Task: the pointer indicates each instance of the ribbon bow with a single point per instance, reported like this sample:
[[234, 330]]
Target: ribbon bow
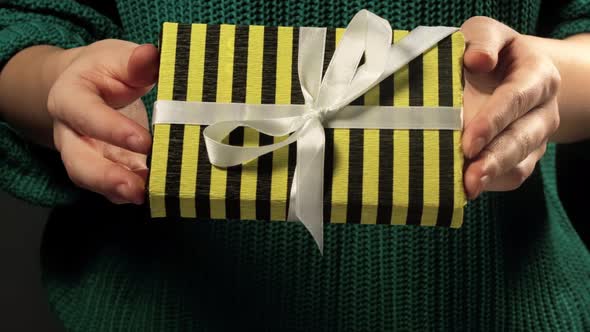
[[345, 79]]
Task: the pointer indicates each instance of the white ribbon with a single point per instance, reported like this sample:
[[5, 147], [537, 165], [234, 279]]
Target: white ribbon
[[352, 116], [343, 82]]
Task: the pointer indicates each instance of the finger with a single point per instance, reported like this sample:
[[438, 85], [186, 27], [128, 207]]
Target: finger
[[516, 176], [485, 38], [142, 68], [527, 87], [89, 170], [131, 160], [510, 147], [136, 112], [87, 114], [131, 72]]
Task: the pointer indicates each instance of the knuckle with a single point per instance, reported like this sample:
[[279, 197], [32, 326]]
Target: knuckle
[[110, 173], [523, 140], [492, 162], [52, 104], [555, 120], [517, 142], [519, 98], [72, 175], [497, 122], [477, 20], [554, 80], [521, 173], [80, 122], [542, 149], [70, 170]]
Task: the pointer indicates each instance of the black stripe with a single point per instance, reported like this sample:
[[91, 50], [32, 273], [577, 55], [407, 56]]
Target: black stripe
[[328, 173], [240, 64], [385, 200], [416, 176], [269, 77], [296, 94], [329, 48], [234, 177], [292, 161], [203, 180], [446, 161], [296, 99], [445, 72], [359, 101], [211, 62], [355, 176], [386, 92], [209, 95], [269, 65], [183, 42], [236, 137], [172, 185]]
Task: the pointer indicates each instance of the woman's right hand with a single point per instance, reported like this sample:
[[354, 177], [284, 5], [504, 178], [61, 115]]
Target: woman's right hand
[[99, 121]]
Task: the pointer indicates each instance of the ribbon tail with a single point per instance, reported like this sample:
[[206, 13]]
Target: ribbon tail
[[309, 202]]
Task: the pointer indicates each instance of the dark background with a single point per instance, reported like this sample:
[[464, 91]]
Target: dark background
[[23, 303]]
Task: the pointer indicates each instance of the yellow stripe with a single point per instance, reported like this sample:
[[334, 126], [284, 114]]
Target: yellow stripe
[[196, 64], [401, 144], [370, 176], [253, 96], [340, 177], [458, 46], [431, 140], [188, 171], [158, 170], [401, 170], [167, 59], [370, 165], [372, 96], [159, 160], [278, 190], [460, 200], [225, 71], [190, 145], [338, 35]]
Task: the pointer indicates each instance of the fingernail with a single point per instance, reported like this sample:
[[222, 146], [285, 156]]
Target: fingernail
[[477, 147], [134, 142]]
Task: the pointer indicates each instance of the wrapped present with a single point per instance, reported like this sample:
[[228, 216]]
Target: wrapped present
[[382, 113]]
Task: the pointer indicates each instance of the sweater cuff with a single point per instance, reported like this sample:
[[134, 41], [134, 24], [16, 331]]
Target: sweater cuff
[[570, 28], [29, 171]]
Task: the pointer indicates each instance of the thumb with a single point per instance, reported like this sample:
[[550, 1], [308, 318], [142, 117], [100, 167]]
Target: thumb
[[142, 68], [485, 38]]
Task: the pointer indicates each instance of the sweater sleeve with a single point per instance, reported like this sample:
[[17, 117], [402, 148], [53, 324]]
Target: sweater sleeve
[[27, 170], [561, 19]]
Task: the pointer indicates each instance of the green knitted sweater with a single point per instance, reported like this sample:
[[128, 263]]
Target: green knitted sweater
[[516, 264]]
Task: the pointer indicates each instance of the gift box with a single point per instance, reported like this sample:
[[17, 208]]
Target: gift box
[[370, 176]]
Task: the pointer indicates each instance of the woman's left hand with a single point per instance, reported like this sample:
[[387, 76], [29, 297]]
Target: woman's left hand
[[510, 106]]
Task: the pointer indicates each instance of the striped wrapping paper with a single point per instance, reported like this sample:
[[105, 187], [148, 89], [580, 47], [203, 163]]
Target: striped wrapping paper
[[372, 176]]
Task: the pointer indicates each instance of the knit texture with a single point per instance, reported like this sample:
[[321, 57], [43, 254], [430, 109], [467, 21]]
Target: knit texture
[[516, 264]]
